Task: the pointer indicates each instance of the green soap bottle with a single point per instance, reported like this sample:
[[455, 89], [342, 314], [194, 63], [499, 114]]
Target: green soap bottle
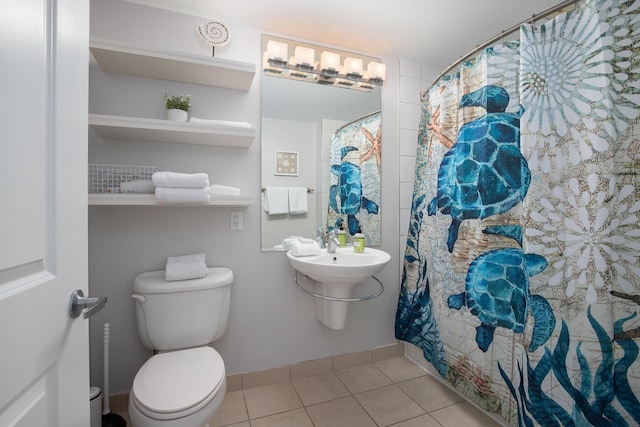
[[358, 241], [342, 237]]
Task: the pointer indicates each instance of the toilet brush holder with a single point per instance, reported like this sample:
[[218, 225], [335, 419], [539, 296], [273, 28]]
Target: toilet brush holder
[[109, 419]]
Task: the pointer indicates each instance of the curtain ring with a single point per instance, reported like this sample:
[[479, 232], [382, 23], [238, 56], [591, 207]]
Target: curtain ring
[[533, 21]]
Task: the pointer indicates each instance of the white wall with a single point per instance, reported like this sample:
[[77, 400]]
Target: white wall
[[272, 323]]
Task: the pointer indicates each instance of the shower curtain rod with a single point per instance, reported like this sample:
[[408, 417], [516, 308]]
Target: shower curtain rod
[[357, 120], [500, 36]]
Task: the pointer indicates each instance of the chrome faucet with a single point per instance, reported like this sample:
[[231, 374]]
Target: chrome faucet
[[332, 242]]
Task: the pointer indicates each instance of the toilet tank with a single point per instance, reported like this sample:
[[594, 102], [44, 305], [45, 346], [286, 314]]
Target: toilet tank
[[183, 313]]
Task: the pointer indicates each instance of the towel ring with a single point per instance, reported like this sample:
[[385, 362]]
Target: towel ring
[[328, 298]]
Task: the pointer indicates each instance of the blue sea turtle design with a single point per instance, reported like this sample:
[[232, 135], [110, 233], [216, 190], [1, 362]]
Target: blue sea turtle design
[[484, 173], [497, 292], [350, 190]]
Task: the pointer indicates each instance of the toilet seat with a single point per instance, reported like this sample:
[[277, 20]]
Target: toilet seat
[[178, 383]]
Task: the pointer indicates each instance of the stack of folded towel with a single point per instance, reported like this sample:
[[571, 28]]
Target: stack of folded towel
[[304, 247], [186, 267], [174, 187]]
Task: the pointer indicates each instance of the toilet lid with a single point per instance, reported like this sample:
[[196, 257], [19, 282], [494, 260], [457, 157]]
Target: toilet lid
[[178, 380]]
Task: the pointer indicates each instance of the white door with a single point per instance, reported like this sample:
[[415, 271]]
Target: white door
[[44, 355]]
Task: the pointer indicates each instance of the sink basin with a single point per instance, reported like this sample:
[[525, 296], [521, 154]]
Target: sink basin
[[343, 267]]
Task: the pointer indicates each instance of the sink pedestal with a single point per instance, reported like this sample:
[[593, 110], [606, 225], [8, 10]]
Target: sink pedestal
[[334, 275], [332, 313]]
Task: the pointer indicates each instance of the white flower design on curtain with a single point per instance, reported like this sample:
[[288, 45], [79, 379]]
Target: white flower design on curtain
[[578, 83], [589, 231]]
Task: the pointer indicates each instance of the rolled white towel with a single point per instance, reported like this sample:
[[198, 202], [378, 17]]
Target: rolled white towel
[[219, 122], [223, 190], [180, 180], [286, 242], [182, 195], [304, 247], [186, 267], [143, 186]]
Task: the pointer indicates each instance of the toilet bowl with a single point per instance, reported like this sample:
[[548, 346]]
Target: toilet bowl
[[184, 384], [178, 389]]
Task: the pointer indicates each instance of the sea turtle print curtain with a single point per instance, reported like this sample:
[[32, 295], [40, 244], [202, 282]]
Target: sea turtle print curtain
[[521, 278], [355, 154]]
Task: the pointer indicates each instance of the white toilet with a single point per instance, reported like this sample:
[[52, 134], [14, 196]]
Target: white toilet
[[183, 385]]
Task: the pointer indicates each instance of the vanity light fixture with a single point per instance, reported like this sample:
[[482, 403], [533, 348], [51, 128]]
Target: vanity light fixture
[[277, 54], [305, 59], [329, 64], [377, 72], [328, 70], [353, 68]]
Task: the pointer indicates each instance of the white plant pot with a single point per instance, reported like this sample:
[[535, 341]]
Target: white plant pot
[[177, 115]]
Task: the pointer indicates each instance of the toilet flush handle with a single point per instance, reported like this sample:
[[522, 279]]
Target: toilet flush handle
[[78, 304], [138, 297]]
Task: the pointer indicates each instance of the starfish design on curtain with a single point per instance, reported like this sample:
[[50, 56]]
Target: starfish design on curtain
[[376, 143]]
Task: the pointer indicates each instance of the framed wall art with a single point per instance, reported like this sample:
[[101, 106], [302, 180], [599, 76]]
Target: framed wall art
[[286, 163]]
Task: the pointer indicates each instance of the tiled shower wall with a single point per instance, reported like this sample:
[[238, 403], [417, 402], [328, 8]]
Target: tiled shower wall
[[413, 79]]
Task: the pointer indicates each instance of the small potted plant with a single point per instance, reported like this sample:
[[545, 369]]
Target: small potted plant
[[177, 106]]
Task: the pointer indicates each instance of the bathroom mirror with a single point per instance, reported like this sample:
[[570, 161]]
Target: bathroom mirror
[[299, 119]]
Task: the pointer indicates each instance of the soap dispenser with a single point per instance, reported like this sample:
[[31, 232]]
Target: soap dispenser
[[358, 241], [342, 236]]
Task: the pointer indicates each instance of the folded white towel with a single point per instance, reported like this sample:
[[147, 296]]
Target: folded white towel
[[223, 190], [143, 186], [298, 200], [220, 122], [286, 243], [186, 267], [182, 180], [276, 200], [182, 195], [304, 247]]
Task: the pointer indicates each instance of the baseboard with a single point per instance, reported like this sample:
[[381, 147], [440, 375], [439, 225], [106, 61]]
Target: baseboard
[[309, 368]]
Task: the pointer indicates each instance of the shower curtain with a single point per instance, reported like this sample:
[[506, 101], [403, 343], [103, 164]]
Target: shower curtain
[[521, 278], [354, 196]]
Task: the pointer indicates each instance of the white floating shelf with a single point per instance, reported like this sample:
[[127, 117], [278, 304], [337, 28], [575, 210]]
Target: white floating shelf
[[113, 57], [140, 129], [149, 200]]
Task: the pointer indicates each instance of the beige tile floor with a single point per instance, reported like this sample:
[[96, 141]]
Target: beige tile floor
[[392, 392]]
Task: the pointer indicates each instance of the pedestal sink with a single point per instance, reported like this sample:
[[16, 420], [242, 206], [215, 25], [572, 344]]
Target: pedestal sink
[[335, 275]]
